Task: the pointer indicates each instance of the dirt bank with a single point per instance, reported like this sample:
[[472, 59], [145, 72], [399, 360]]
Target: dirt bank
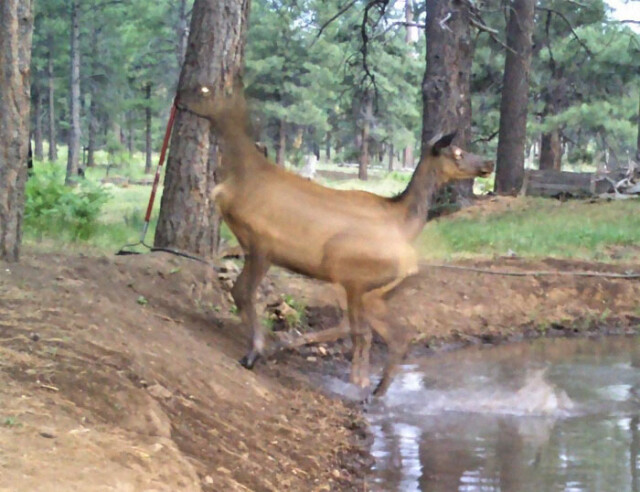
[[121, 373]]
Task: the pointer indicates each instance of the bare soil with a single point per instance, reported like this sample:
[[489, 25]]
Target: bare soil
[[120, 373]]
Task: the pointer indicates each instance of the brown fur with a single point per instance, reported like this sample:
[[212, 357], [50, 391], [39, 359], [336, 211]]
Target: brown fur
[[356, 239]]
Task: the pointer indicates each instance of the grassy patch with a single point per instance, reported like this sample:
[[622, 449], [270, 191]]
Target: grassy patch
[[529, 227], [538, 228]]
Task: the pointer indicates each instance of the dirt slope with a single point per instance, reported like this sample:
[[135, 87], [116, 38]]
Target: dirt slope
[[121, 374]]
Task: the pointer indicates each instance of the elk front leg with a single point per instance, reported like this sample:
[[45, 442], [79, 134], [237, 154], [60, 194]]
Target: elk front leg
[[244, 294], [361, 338]]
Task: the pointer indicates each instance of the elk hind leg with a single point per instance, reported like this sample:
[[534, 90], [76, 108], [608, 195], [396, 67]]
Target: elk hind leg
[[396, 339]]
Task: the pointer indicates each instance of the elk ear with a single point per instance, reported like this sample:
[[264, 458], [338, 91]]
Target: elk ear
[[442, 143]]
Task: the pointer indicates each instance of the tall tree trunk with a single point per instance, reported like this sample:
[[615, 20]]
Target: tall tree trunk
[[182, 31], [363, 163], [74, 97], [638, 138], [93, 105], [550, 151], [407, 156], [446, 85], [16, 27], [391, 157], [327, 153], [515, 97], [53, 145], [93, 129], [37, 120], [130, 134], [147, 150], [411, 32], [215, 52], [282, 143]]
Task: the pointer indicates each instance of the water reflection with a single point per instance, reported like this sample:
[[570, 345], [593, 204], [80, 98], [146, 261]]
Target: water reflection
[[554, 415]]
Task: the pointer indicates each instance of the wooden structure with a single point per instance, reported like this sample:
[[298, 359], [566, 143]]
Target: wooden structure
[[552, 183]]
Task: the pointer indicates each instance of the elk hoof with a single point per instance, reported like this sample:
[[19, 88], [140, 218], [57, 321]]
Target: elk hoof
[[381, 388], [249, 360]]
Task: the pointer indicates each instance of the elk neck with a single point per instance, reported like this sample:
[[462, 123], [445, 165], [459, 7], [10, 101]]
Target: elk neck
[[417, 197]]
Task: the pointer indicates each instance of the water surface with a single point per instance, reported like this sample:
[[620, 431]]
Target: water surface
[[548, 415]]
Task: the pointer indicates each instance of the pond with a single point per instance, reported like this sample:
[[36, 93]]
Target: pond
[[547, 415]]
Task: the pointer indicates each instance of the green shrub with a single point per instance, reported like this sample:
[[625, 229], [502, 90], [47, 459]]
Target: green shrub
[[53, 209]]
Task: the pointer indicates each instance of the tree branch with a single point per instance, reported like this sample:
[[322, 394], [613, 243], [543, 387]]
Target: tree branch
[[334, 17], [568, 23]]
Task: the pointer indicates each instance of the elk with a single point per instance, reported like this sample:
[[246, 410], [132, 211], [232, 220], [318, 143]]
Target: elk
[[358, 240]]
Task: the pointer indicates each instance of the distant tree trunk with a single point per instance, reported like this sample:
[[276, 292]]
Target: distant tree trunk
[[411, 32], [515, 97], [183, 31], [93, 129], [446, 85], [37, 120], [93, 106], [407, 156], [391, 157], [53, 145], [74, 97], [550, 151], [282, 143], [130, 134], [16, 27], [363, 163], [147, 150], [328, 147], [638, 137], [215, 51]]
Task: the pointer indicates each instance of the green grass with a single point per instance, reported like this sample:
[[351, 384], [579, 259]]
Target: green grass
[[530, 227], [538, 228]]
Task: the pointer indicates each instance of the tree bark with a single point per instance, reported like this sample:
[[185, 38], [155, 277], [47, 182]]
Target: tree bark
[[515, 97], [93, 105], [130, 134], [282, 143], [37, 123], [93, 129], [74, 98], [550, 151], [215, 51], [407, 157], [363, 163], [147, 161], [53, 145], [391, 157], [16, 27], [327, 153], [446, 85], [638, 138], [183, 31]]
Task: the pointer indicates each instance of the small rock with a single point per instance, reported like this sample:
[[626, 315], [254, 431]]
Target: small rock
[[223, 470], [34, 336], [336, 474], [159, 391], [311, 358], [322, 351], [48, 435], [208, 480]]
